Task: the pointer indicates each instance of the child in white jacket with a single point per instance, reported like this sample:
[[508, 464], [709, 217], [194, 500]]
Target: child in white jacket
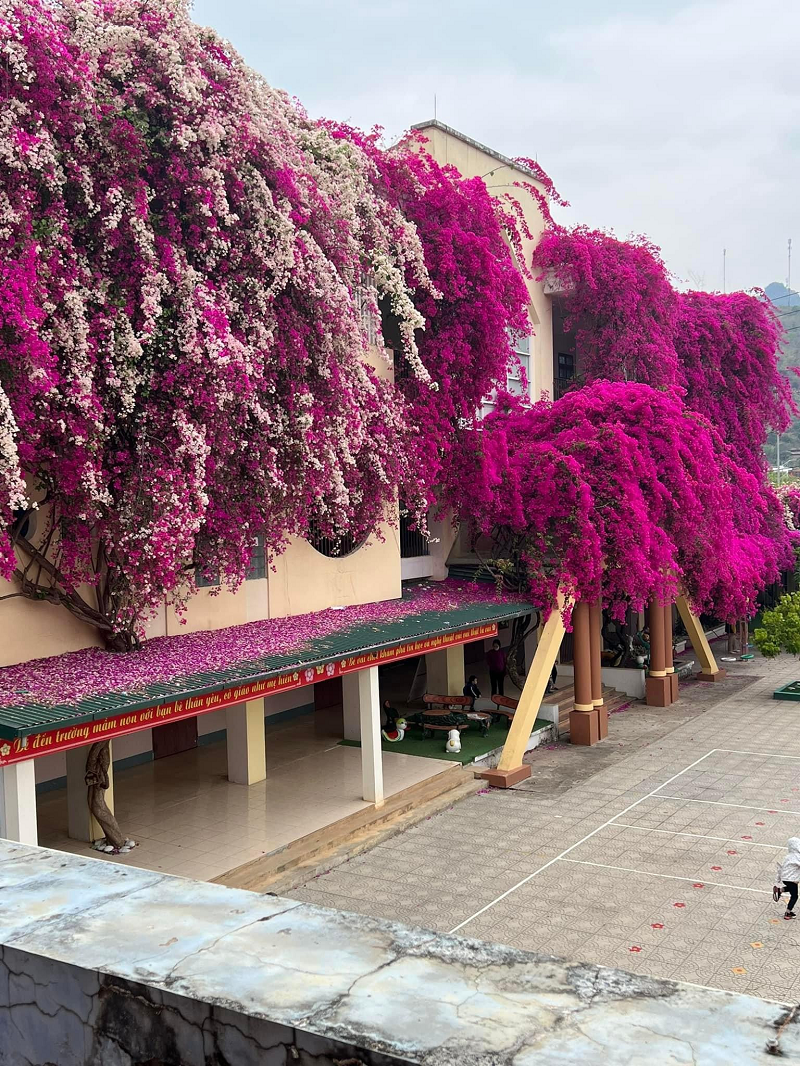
[[789, 874]]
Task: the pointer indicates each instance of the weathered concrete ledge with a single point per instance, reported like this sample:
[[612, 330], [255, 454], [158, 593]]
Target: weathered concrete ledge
[[106, 964]]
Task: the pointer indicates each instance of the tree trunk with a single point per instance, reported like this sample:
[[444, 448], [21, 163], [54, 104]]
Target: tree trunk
[[121, 642], [515, 654], [97, 763]]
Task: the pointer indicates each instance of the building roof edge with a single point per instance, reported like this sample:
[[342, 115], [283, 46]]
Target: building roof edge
[[435, 123]]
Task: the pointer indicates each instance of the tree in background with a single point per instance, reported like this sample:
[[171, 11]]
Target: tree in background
[[780, 628]]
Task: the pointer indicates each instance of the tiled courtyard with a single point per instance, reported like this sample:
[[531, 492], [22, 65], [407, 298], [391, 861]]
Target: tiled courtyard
[[657, 856]]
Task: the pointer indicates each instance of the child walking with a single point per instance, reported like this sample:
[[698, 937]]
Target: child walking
[[789, 875]]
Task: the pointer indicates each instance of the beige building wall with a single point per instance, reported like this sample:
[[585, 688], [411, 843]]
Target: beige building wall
[[472, 159], [303, 580]]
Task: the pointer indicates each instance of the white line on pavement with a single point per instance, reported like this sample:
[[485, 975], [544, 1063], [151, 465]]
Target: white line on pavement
[[667, 877], [719, 803], [572, 847], [768, 754], [701, 836]]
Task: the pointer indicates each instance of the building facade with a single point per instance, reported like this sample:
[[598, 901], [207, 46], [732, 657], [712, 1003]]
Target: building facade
[[310, 576]]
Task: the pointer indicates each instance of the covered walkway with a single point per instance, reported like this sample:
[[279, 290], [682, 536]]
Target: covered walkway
[[189, 819], [183, 801]]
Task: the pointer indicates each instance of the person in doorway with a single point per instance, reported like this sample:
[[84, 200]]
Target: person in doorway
[[471, 689], [551, 684], [388, 715], [497, 663], [788, 875]]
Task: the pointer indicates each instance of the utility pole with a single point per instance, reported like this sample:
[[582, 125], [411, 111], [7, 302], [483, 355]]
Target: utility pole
[[724, 268], [778, 456], [789, 271]]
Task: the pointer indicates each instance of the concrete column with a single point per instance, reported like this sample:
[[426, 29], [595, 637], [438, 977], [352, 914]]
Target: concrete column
[[583, 721], [81, 823], [351, 710], [446, 671], [658, 687], [596, 647], [668, 658], [369, 706], [18, 803], [247, 745]]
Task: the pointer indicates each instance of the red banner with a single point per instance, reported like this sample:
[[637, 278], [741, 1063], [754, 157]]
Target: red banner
[[74, 736]]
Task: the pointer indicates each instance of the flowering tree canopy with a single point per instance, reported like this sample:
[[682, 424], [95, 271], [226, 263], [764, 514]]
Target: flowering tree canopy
[[606, 493], [620, 304], [185, 261], [717, 355], [630, 324]]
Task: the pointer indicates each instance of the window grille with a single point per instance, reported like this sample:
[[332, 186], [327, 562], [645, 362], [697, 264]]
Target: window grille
[[413, 543], [258, 560]]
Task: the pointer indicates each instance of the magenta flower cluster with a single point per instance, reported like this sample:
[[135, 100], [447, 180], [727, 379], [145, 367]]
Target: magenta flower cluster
[[631, 324], [191, 271], [708, 390], [621, 492], [74, 676]]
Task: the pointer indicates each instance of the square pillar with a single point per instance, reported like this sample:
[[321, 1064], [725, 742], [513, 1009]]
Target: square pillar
[[81, 823], [351, 708], [18, 803], [369, 707], [658, 687], [584, 727], [247, 744], [446, 671]]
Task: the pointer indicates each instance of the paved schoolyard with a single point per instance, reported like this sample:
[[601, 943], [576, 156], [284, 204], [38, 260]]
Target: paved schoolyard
[[654, 851]]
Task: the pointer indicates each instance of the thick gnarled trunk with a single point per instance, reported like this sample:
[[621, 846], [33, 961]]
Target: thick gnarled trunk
[[97, 781]]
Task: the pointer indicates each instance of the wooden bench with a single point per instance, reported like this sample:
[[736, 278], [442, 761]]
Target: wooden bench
[[505, 708], [453, 708]]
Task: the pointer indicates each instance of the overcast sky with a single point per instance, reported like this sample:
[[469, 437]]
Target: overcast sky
[[672, 118]]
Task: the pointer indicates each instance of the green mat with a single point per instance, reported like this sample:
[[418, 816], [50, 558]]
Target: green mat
[[473, 745]]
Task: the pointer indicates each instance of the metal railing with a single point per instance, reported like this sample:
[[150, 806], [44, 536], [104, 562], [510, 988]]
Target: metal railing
[[413, 544]]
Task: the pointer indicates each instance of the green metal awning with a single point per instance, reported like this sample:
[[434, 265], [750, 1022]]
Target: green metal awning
[[26, 719]]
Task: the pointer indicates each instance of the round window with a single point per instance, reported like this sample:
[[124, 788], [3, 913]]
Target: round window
[[333, 547]]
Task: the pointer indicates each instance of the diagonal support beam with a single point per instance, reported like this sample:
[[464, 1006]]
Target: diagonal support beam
[[710, 670], [532, 694]]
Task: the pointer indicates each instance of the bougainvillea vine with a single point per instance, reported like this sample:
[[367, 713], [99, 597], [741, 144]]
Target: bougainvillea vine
[[607, 495], [185, 262]]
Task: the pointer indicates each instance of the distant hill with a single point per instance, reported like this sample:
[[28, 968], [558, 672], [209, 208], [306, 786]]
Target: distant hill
[[781, 296], [787, 306]]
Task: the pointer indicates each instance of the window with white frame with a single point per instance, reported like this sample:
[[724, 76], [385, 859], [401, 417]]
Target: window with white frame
[[519, 373], [258, 560]]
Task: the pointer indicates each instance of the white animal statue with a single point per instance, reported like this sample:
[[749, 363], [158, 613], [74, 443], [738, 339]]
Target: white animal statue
[[395, 734], [453, 741]]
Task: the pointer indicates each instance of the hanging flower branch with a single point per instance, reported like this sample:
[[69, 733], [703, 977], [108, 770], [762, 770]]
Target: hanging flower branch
[[607, 494]]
